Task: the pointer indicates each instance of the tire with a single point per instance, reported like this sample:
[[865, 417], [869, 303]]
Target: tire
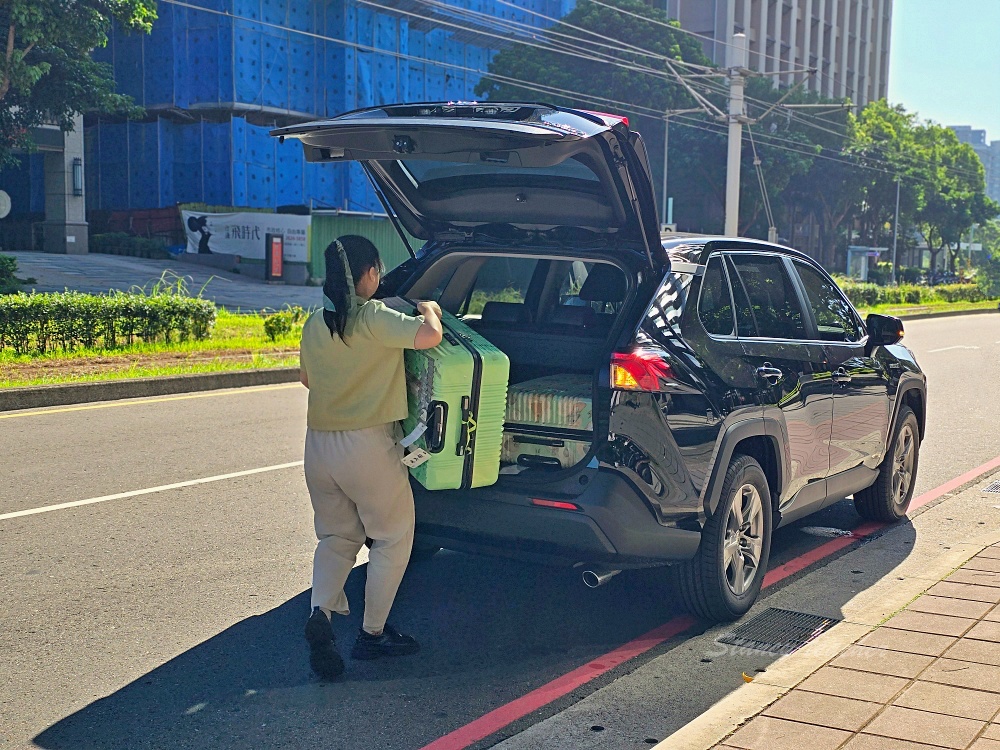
[[888, 499], [709, 585]]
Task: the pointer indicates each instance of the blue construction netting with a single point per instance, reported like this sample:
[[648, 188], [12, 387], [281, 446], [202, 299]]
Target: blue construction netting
[[25, 184], [202, 71]]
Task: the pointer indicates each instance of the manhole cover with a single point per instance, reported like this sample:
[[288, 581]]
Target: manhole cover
[[993, 487], [778, 631]]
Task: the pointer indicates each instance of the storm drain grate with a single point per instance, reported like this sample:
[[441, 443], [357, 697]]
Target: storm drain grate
[[778, 631], [993, 487]]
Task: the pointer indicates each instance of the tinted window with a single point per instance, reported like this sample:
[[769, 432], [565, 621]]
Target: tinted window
[[499, 280], [715, 306], [835, 320], [773, 305]]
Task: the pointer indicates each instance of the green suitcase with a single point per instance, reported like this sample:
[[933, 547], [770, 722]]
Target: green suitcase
[[457, 394], [549, 422]]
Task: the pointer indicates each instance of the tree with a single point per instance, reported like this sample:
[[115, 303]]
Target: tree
[[46, 72], [955, 198]]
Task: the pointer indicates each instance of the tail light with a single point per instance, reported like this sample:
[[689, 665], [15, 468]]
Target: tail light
[[558, 504], [639, 371], [606, 117]]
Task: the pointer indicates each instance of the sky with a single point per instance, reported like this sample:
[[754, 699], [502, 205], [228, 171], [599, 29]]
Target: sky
[[944, 61]]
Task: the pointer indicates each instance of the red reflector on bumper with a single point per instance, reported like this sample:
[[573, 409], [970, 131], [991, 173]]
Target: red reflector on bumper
[[554, 504]]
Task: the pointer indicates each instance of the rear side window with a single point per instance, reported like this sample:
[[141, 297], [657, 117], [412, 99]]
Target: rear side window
[[773, 304], [499, 280], [835, 320], [715, 305]]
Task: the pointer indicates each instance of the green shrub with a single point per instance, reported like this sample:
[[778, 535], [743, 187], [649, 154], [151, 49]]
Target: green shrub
[[869, 295], [988, 277], [479, 299], [9, 283], [120, 243], [280, 323], [39, 323]]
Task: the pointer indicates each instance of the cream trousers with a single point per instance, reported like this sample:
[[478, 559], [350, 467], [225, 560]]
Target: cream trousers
[[359, 488]]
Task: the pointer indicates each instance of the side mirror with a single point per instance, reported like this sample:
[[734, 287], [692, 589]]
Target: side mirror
[[884, 330]]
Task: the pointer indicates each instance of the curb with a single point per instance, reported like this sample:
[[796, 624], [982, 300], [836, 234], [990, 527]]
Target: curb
[[41, 396]]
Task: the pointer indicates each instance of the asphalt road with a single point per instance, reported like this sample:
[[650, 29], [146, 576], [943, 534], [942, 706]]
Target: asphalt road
[[173, 619]]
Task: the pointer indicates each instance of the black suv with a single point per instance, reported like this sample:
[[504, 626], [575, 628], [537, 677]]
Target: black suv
[[734, 387]]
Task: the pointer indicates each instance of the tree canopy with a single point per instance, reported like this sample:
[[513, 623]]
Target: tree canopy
[[46, 72]]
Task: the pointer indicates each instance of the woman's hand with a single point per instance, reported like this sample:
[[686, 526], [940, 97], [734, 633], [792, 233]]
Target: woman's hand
[[429, 306]]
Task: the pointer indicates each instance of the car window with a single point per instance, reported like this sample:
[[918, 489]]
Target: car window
[[772, 301], [572, 283], [715, 305], [835, 320], [499, 280]]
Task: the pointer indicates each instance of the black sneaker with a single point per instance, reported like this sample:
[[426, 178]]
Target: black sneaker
[[323, 656], [390, 643]]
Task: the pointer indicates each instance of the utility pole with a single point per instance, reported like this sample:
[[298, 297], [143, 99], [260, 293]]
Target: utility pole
[[736, 62], [895, 233]]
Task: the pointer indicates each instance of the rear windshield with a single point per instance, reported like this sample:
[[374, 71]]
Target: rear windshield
[[502, 164]]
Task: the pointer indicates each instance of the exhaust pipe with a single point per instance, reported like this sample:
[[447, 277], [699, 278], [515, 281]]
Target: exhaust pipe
[[594, 577]]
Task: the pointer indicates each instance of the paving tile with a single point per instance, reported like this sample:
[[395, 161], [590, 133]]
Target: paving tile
[[990, 552], [964, 591], [923, 622], [882, 661], [954, 701], [982, 652], [993, 615], [765, 733], [908, 641], [824, 710], [992, 732], [977, 577], [985, 631], [983, 563], [964, 674], [874, 742], [940, 605], [922, 726], [848, 683], [985, 744]]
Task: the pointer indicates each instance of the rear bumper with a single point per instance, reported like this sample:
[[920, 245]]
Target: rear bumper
[[614, 525]]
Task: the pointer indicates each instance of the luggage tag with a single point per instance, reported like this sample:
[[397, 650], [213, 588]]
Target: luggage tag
[[413, 458]]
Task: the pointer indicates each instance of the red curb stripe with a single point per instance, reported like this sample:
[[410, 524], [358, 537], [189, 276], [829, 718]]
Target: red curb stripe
[[507, 714]]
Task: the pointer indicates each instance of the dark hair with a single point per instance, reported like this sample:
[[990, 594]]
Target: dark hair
[[362, 256]]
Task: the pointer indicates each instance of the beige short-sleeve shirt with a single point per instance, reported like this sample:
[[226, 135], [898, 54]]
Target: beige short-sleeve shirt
[[359, 382]]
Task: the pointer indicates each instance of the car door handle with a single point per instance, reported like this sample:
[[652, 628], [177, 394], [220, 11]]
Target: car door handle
[[770, 373], [841, 376]]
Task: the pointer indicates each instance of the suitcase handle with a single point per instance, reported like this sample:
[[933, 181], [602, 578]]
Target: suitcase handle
[[436, 424], [538, 462]]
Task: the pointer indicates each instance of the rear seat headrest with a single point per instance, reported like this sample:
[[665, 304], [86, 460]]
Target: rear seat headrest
[[577, 316], [605, 283], [505, 312]]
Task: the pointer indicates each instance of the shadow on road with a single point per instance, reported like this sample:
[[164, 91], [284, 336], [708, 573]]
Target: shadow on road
[[491, 630]]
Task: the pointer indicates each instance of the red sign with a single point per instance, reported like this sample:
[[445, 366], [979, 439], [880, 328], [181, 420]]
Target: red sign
[[277, 256]]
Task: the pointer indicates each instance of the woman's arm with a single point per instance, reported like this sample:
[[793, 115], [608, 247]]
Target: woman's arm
[[430, 333]]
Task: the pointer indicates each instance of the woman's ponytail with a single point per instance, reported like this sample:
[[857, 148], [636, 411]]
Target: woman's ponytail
[[347, 258]]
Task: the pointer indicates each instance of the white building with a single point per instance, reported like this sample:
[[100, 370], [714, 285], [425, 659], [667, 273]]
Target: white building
[[847, 41], [989, 155]]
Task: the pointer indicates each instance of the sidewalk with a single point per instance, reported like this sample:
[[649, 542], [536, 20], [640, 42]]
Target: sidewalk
[[96, 274], [928, 676]]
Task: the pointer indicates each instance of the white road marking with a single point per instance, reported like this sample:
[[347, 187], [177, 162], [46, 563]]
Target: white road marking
[[147, 491], [949, 348]]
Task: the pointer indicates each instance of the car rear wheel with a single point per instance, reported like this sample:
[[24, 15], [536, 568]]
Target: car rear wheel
[[888, 499], [725, 576]]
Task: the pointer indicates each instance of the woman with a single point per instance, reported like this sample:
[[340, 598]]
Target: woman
[[352, 364]]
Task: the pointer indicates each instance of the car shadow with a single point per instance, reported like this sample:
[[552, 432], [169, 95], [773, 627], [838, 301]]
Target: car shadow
[[491, 630]]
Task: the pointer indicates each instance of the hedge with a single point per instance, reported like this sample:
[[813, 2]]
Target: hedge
[[869, 295], [40, 323], [120, 243]]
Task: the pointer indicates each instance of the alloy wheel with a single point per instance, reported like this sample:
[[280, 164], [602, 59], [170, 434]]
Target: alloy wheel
[[904, 455], [744, 539]]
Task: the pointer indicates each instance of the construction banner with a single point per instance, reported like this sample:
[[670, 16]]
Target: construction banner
[[247, 234]]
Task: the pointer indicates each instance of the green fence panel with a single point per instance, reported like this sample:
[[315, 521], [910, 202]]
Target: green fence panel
[[328, 227]]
